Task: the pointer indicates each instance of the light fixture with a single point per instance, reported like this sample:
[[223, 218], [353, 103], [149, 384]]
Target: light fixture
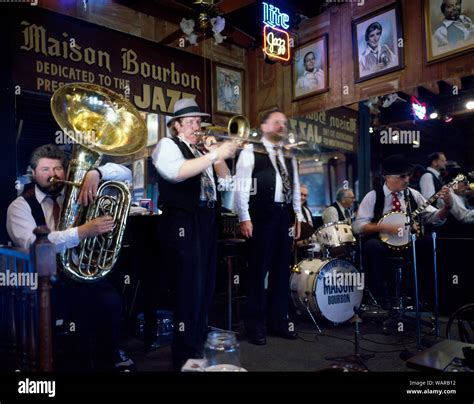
[[448, 118], [434, 115], [470, 105], [208, 17]]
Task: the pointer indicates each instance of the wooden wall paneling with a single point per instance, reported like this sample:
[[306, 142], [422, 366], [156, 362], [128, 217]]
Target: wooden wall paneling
[[346, 63], [110, 15], [64, 7]]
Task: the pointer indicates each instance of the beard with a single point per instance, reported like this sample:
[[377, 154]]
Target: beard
[[51, 189]]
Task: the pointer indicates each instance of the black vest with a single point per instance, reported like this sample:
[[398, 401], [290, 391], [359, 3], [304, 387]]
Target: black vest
[[264, 178], [182, 195], [436, 182], [380, 201], [36, 210], [340, 213]]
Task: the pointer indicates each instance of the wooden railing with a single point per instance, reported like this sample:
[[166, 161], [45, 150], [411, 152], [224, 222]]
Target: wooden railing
[[25, 298]]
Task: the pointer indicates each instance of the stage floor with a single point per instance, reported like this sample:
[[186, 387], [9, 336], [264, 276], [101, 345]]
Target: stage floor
[[312, 351]]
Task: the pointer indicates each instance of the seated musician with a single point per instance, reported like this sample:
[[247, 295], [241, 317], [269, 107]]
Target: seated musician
[[391, 198], [91, 310], [340, 211], [304, 246]]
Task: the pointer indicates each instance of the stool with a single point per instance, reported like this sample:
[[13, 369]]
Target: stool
[[230, 251], [400, 314]]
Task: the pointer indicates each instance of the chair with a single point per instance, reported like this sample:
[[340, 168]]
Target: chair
[[464, 317]]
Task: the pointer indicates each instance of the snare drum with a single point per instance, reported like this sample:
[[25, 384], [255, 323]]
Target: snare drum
[[337, 238], [331, 289]]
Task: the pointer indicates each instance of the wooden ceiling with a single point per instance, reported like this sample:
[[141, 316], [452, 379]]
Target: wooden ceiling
[[243, 17]]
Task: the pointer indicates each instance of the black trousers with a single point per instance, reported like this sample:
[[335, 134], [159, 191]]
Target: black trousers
[[380, 273], [269, 251], [92, 315], [189, 243]]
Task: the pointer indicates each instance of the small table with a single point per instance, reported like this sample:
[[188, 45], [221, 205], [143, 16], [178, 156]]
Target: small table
[[438, 356]]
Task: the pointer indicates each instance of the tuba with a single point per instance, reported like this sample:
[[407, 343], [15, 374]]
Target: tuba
[[99, 121]]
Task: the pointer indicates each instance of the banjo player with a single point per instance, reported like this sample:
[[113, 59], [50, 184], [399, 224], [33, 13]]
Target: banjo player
[[391, 197]]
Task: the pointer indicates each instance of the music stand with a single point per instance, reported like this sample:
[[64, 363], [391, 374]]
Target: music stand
[[357, 358]]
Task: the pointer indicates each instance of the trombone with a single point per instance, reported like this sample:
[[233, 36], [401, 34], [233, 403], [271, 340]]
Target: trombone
[[238, 130]]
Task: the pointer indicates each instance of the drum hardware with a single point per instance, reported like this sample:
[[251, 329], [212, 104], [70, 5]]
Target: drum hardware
[[306, 301], [404, 221]]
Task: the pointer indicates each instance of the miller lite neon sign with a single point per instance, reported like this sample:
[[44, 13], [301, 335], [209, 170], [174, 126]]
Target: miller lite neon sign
[[276, 40]]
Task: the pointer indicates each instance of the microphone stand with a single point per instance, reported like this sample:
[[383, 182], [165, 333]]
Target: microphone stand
[[407, 354], [357, 358]]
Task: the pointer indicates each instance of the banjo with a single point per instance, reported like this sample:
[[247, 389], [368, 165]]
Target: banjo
[[403, 220]]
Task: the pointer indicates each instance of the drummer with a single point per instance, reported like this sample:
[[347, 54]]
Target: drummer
[[340, 210]]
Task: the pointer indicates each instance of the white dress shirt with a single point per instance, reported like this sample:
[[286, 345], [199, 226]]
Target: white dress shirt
[[243, 179], [331, 215], [168, 159], [459, 209], [365, 214], [427, 187], [20, 221], [463, 25], [310, 81]]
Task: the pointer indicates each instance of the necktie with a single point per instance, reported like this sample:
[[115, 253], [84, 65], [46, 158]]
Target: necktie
[[347, 214], [284, 177], [206, 182], [396, 206], [56, 210]]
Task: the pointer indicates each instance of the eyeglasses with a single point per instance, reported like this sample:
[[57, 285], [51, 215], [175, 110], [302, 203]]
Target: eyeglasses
[[304, 194]]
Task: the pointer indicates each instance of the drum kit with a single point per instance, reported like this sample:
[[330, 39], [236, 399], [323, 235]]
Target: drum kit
[[329, 286]]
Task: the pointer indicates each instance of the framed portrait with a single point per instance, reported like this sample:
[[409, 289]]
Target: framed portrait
[[153, 125], [449, 28], [375, 40], [229, 90], [139, 174], [310, 68]]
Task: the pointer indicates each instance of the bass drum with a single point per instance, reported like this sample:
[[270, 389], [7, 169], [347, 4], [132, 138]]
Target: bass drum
[[331, 289]]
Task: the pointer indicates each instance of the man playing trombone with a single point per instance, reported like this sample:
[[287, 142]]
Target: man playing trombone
[[189, 200]]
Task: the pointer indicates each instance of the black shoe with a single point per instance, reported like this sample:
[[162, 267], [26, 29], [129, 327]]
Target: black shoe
[[125, 364], [256, 335], [284, 331]]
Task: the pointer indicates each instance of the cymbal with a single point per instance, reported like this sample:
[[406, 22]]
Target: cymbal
[[306, 231]]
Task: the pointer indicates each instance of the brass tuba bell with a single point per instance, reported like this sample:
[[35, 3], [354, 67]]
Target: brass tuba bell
[[100, 122]]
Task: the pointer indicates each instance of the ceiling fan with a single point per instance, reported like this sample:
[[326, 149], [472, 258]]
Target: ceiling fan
[[207, 16]]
